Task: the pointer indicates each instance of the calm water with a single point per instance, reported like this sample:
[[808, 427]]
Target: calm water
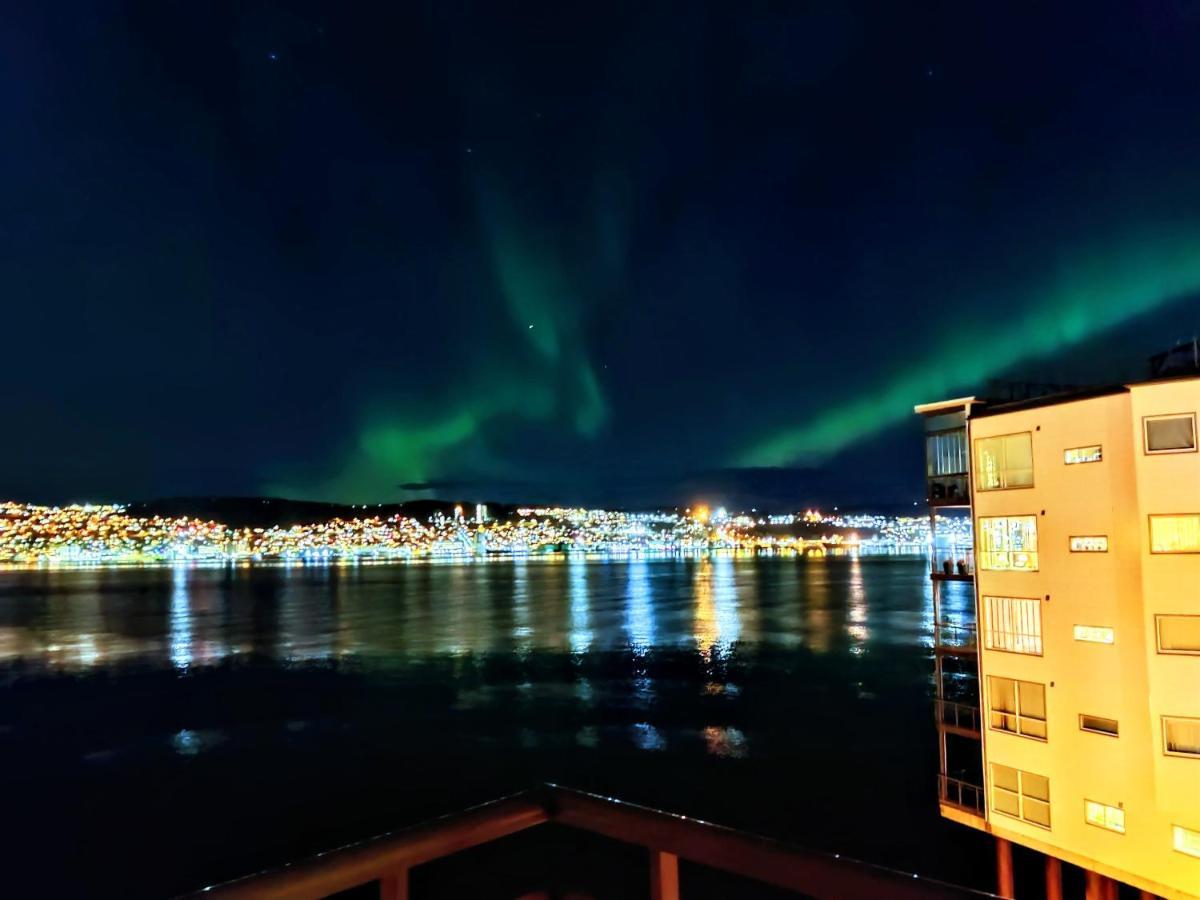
[[171, 727]]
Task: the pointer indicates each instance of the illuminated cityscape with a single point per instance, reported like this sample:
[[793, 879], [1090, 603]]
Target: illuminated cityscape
[[92, 534]]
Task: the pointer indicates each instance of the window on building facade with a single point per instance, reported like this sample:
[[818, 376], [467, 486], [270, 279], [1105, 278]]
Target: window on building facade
[[1094, 634], [1018, 707], [1170, 434], [1008, 543], [1092, 543], [1098, 724], [1175, 533], [946, 453], [1185, 840], [1178, 634], [1077, 455], [1181, 736], [1022, 795], [1013, 624], [1004, 462], [1104, 816]]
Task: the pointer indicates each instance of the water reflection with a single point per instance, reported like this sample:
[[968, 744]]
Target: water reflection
[[181, 619], [581, 633], [639, 621], [184, 617], [857, 607]]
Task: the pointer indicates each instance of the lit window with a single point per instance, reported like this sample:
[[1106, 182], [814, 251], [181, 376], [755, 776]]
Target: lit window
[[1170, 434], [1013, 624], [1018, 707], [1004, 462], [1175, 534], [1178, 634], [1181, 737], [1095, 543], [1098, 724], [1186, 840], [1094, 634], [1022, 795], [1008, 543], [1110, 817], [1078, 455]]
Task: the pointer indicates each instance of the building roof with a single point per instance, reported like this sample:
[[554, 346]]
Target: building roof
[[983, 407]]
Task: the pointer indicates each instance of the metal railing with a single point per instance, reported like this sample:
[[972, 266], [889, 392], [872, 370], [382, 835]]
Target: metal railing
[[947, 490], [668, 838], [952, 562], [962, 794], [955, 635], [962, 716]]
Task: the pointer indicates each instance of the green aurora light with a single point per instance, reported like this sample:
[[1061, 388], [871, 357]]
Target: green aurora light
[[1083, 300]]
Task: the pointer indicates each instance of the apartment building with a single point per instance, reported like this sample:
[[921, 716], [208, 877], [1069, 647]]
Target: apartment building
[[1069, 696]]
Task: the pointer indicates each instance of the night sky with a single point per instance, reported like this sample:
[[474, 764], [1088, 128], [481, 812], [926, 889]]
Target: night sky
[[601, 253]]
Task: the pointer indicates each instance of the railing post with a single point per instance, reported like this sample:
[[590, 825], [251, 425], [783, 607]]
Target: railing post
[[394, 885], [664, 875]]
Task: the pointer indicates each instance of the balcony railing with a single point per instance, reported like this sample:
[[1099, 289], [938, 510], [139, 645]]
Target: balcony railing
[[962, 794], [947, 490], [952, 563], [955, 636], [961, 716], [387, 860]]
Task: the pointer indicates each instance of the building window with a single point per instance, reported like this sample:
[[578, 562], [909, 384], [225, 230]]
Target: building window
[[1008, 543], [1013, 624], [1077, 455], [1181, 737], [946, 453], [1094, 543], [1170, 434], [1018, 707], [1186, 840], [1004, 462], [1022, 795], [1098, 724], [1178, 634], [1094, 634], [1175, 534], [1104, 816]]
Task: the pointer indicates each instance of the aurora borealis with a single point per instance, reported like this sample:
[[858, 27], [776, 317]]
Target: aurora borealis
[[609, 254]]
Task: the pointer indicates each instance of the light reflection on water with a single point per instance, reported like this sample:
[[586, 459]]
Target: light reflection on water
[[713, 685], [185, 617]]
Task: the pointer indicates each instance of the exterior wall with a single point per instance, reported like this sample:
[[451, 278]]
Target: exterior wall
[[1170, 483], [1113, 498]]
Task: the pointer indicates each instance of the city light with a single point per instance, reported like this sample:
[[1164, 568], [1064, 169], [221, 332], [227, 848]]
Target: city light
[[93, 534]]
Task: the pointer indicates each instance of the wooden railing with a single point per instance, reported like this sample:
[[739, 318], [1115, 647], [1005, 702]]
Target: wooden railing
[[388, 858]]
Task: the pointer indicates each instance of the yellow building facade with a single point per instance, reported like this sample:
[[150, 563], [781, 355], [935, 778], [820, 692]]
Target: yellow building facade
[[1086, 576]]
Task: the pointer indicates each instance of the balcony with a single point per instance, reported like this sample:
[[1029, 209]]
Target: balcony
[[955, 637], [952, 564], [961, 795], [670, 844], [958, 718], [948, 490]]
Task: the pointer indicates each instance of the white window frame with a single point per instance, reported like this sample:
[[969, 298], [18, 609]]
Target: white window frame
[[1099, 448], [1158, 634], [1146, 420], [996, 609], [1108, 822]]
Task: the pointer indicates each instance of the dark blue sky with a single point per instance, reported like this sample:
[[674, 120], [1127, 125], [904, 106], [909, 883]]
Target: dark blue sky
[[623, 253]]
